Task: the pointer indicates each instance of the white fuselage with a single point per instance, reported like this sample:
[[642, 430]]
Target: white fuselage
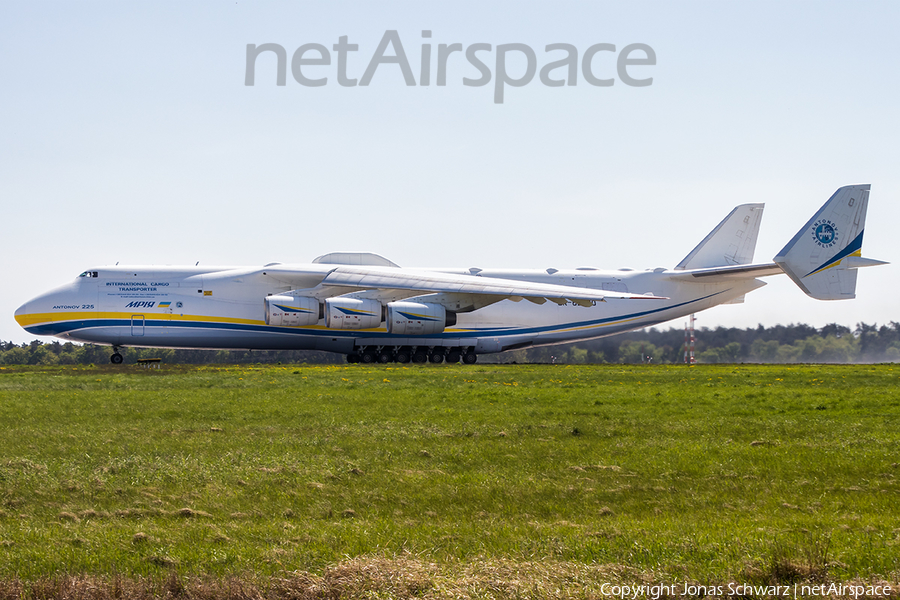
[[224, 307]]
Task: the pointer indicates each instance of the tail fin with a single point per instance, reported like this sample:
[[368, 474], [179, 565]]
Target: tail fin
[[823, 257], [732, 242]]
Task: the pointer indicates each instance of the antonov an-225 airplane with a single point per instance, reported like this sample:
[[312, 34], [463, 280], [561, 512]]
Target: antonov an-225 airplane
[[368, 308]]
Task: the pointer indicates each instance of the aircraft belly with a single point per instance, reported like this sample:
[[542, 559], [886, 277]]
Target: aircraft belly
[[553, 324]]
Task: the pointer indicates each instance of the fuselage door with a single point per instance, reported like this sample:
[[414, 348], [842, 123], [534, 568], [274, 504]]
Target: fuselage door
[[137, 325]]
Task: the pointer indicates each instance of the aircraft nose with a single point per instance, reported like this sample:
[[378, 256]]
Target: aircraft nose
[[33, 314], [28, 315], [23, 311]]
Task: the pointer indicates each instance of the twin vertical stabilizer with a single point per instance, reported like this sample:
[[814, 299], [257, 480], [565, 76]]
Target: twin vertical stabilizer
[[823, 257], [732, 242]]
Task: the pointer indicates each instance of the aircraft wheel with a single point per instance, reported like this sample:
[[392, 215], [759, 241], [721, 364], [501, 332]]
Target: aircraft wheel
[[368, 357], [453, 356], [385, 356], [420, 357], [469, 358], [402, 356], [116, 359], [353, 358]]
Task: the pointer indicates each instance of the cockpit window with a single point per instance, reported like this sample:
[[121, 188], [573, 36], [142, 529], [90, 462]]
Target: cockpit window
[[89, 274]]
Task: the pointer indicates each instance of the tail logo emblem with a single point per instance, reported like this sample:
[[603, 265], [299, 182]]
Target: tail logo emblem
[[825, 233]]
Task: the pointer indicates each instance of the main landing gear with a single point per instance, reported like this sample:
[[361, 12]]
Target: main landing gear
[[116, 358], [405, 354]]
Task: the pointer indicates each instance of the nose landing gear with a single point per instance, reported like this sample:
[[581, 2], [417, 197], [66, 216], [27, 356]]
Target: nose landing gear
[[116, 358]]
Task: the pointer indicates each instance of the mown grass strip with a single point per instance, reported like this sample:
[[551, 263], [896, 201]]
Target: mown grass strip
[[709, 473]]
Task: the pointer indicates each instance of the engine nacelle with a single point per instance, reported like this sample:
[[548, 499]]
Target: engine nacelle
[[292, 311], [352, 313], [418, 318]]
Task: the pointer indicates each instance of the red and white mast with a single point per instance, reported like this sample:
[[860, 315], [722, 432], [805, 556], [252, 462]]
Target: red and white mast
[[689, 342]]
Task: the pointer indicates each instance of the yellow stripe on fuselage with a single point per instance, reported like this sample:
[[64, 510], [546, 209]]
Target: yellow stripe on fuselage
[[57, 317], [583, 327], [32, 319]]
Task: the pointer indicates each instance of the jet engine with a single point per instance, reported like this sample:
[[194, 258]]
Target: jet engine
[[352, 313], [418, 318], [291, 311]]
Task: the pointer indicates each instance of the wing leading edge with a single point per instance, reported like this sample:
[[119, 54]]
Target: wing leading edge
[[427, 282], [406, 283]]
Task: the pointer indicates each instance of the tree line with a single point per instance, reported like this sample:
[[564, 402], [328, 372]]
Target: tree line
[[57, 353], [779, 344]]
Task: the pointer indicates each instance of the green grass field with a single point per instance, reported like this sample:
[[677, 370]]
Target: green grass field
[[652, 473]]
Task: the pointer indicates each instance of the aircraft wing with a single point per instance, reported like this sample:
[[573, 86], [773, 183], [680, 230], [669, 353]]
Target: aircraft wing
[[429, 282]]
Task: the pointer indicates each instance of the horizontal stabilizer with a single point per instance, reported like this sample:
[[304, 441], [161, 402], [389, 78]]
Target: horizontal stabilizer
[[734, 272], [856, 262]]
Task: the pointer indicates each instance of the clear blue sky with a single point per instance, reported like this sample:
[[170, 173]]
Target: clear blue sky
[[127, 135]]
